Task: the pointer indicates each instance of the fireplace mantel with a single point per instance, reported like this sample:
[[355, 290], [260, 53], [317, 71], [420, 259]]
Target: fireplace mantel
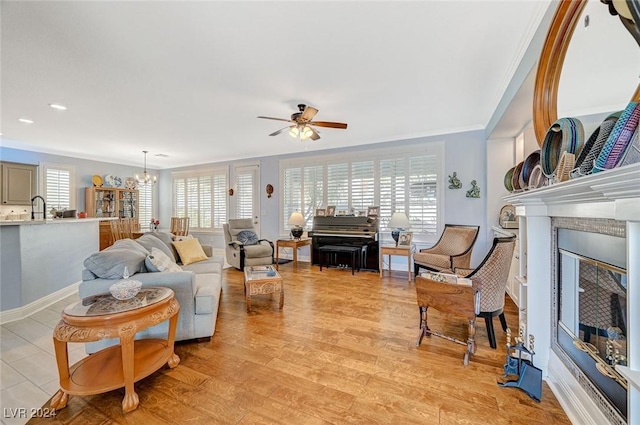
[[613, 195]]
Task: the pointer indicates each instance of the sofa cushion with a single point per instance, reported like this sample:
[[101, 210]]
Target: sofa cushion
[[110, 263], [182, 237], [206, 266], [248, 237], [129, 244], [149, 241], [190, 251], [167, 238], [161, 262]]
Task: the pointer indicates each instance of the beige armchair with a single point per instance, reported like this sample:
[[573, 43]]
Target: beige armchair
[[243, 246], [452, 250]]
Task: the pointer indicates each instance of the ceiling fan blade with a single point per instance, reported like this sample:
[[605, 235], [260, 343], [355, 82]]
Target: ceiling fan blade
[[314, 135], [308, 113], [329, 124], [277, 119], [275, 133]]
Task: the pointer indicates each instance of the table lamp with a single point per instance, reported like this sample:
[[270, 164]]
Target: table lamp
[[297, 221], [398, 222]]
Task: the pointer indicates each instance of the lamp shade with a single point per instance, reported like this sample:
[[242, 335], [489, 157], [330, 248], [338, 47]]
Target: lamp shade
[[296, 219], [399, 220]]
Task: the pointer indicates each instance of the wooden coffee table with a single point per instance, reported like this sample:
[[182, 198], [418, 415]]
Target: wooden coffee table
[[262, 280], [100, 317]]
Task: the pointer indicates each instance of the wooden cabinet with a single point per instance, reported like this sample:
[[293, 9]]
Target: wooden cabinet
[[110, 202], [19, 183]]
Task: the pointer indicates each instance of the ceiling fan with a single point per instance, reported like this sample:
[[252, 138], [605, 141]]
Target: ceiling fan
[[302, 125]]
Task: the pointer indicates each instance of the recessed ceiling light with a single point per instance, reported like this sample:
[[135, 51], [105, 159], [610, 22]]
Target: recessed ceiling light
[[25, 120], [58, 106]]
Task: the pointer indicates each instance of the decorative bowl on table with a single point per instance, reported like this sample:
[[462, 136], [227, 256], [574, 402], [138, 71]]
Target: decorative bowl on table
[[125, 289]]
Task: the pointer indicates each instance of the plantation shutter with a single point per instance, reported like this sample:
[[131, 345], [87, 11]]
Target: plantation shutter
[[292, 194], [338, 186], [313, 192], [58, 186], [392, 185], [145, 204], [423, 200], [362, 186], [244, 195], [202, 197]]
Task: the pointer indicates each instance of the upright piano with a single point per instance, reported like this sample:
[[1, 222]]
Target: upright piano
[[349, 231]]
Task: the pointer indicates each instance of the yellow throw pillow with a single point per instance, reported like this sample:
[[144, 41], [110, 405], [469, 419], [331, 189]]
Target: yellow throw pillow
[[190, 251]]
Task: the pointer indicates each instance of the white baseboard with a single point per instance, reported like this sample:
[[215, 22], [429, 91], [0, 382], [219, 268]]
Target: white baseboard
[[37, 305], [576, 403]]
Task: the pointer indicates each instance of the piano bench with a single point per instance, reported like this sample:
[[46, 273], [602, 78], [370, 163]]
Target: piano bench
[[355, 252]]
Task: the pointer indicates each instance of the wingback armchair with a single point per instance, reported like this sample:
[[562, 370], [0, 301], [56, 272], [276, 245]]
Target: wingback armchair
[[242, 245], [493, 273], [452, 250]]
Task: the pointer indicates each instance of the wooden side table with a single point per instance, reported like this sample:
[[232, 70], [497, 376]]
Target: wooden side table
[[100, 317], [291, 243], [405, 251], [257, 281]]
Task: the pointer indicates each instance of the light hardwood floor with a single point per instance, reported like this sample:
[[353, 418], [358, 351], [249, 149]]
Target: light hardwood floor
[[341, 351]]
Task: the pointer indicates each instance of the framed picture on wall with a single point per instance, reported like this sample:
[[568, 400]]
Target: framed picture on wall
[[508, 218], [320, 212], [404, 239], [331, 211]]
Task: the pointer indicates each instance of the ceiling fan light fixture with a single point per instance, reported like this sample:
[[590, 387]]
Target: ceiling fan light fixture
[[294, 132], [306, 133]]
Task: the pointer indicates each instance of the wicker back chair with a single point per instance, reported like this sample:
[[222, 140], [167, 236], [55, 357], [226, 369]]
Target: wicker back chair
[[180, 226], [493, 273], [452, 250]]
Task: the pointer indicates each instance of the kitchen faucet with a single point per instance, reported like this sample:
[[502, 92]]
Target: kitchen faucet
[[44, 208]]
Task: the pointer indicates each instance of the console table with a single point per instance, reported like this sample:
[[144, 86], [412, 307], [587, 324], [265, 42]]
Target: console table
[[100, 317]]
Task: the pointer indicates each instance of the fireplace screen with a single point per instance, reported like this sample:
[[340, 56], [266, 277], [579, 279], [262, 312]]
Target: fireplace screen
[[592, 314]]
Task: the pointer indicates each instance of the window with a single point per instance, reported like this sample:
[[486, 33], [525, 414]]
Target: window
[[408, 182], [201, 196], [59, 187], [145, 204]]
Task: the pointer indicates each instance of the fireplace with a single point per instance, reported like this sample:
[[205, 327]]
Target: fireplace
[[591, 299]]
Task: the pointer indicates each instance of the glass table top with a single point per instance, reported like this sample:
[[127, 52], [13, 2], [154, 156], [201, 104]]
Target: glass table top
[[104, 304]]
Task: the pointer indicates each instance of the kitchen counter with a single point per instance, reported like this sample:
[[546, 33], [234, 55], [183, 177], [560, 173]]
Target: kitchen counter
[[53, 221]]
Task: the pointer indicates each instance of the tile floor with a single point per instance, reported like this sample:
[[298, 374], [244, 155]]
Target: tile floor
[[28, 371]]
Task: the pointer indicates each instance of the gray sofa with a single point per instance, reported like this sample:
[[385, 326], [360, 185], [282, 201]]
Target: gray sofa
[[197, 288]]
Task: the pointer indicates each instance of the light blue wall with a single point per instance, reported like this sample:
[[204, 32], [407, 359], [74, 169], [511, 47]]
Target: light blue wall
[[84, 168], [464, 153]]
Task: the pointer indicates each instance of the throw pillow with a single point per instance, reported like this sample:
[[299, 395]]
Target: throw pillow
[[248, 237], [190, 251], [167, 238], [149, 241], [161, 262], [110, 263]]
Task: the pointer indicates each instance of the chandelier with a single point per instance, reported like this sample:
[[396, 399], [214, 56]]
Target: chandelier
[[146, 178]]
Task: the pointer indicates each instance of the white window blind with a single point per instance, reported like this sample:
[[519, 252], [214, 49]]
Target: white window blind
[[407, 182], [202, 197], [338, 186], [59, 187], [145, 204], [244, 195]]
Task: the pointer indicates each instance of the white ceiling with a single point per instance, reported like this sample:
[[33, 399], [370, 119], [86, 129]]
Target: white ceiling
[[187, 79]]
